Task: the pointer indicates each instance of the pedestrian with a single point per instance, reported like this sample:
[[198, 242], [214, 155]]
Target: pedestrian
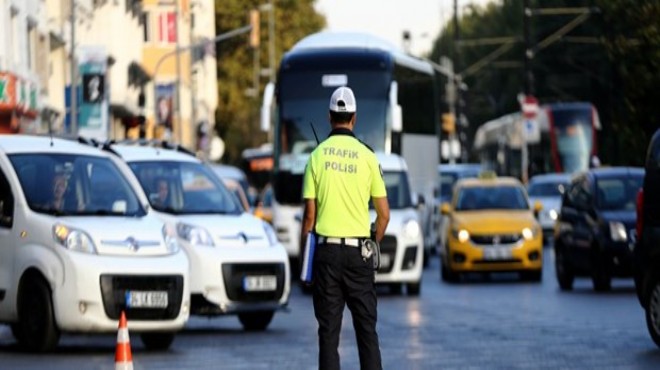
[[341, 176]]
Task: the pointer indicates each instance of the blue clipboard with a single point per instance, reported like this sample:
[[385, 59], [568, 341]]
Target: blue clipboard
[[306, 273]]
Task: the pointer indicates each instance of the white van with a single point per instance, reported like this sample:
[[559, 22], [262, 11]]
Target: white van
[[79, 246], [402, 247], [237, 264]]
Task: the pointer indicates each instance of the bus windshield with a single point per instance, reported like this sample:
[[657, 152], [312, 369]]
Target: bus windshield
[[304, 102], [573, 134]]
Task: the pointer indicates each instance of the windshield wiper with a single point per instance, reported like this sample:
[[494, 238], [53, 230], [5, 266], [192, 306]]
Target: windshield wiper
[[102, 212]]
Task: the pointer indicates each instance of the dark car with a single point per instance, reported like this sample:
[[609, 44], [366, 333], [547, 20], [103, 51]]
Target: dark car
[[647, 249], [595, 225]]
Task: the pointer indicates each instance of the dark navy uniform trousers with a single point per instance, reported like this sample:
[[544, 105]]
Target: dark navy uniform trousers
[[342, 277]]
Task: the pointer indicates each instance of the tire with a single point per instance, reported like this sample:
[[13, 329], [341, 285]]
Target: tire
[[426, 259], [157, 341], [563, 271], [533, 276], [395, 288], [256, 321], [414, 289], [653, 311], [447, 275], [36, 329], [306, 289]]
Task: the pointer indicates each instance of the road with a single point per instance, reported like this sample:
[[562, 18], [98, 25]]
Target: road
[[480, 323]]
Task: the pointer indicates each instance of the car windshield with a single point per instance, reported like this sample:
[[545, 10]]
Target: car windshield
[[75, 185], [546, 189], [184, 188], [398, 190], [491, 197], [618, 194]]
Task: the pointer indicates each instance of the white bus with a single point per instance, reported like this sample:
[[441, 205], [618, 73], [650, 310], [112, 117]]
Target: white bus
[[398, 112]]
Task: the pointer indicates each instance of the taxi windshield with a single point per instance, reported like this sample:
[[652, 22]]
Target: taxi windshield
[[474, 198], [75, 185], [184, 188]]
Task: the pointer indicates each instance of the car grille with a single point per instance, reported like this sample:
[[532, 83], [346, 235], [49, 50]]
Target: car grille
[[495, 239], [388, 247], [233, 275], [114, 287]]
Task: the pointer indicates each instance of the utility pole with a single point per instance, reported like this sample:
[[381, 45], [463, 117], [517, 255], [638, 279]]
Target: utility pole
[[458, 110], [193, 74], [529, 54], [177, 85], [271, 41], [73, 112]]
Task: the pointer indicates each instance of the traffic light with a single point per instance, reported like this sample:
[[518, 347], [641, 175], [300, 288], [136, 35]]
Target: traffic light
[[254, 32], [448, 123]]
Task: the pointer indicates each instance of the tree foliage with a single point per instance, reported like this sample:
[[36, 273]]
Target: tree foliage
[[237, 116], [611, 59]]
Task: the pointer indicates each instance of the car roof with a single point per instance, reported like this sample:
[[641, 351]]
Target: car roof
[[499, 181], [459, 167], [391, 162], [228, 171], [550, 177], [137, 153], [607, 172], [17, 144]]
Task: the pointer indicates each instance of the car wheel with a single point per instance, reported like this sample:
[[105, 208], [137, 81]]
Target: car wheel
[[157, 341], [414, 289], [426, 258], [535, 276], [565, 276], [395, 288], [256, 321], [653, 311], [447, 274], [36, 329]]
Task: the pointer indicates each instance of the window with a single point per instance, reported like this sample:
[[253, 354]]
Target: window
[[6, 203]]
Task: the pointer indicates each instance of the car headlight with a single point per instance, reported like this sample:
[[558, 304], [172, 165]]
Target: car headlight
[[553, 214], [618, 232], [411, 229], [169, 236], [530, 233], [270, 234], [462, 235], [194, 235], [73, 239]]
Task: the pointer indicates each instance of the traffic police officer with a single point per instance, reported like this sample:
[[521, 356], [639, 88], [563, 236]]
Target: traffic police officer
[[342, 174]]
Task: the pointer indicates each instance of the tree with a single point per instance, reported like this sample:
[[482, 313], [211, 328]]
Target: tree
[[237, 116], [611, 60]]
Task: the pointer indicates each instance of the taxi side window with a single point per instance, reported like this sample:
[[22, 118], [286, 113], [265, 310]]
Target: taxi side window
[[6, 203]]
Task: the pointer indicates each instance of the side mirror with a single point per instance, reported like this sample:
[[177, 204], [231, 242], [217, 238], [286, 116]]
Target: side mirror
[[445, 209], [269, 95], [420, 200], [538, 206]]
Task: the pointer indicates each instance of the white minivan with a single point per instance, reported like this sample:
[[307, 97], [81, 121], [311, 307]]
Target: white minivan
[[237, 264], [79, 246], [402, 247]]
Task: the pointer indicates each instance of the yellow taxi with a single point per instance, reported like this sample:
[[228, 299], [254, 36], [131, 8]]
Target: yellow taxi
[[491, 228]]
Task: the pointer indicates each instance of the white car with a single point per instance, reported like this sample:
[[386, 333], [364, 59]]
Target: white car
[[79, 246], [237, 265], [402, 247]]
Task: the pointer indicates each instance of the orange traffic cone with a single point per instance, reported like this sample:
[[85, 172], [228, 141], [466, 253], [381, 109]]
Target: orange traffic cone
[[123, 357]]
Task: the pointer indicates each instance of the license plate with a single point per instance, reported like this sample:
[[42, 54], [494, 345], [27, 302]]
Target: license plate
[[142, 299], [385, 261], [262, 283], [497, 253]]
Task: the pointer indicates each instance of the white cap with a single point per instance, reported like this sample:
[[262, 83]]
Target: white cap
[[343, 100]]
